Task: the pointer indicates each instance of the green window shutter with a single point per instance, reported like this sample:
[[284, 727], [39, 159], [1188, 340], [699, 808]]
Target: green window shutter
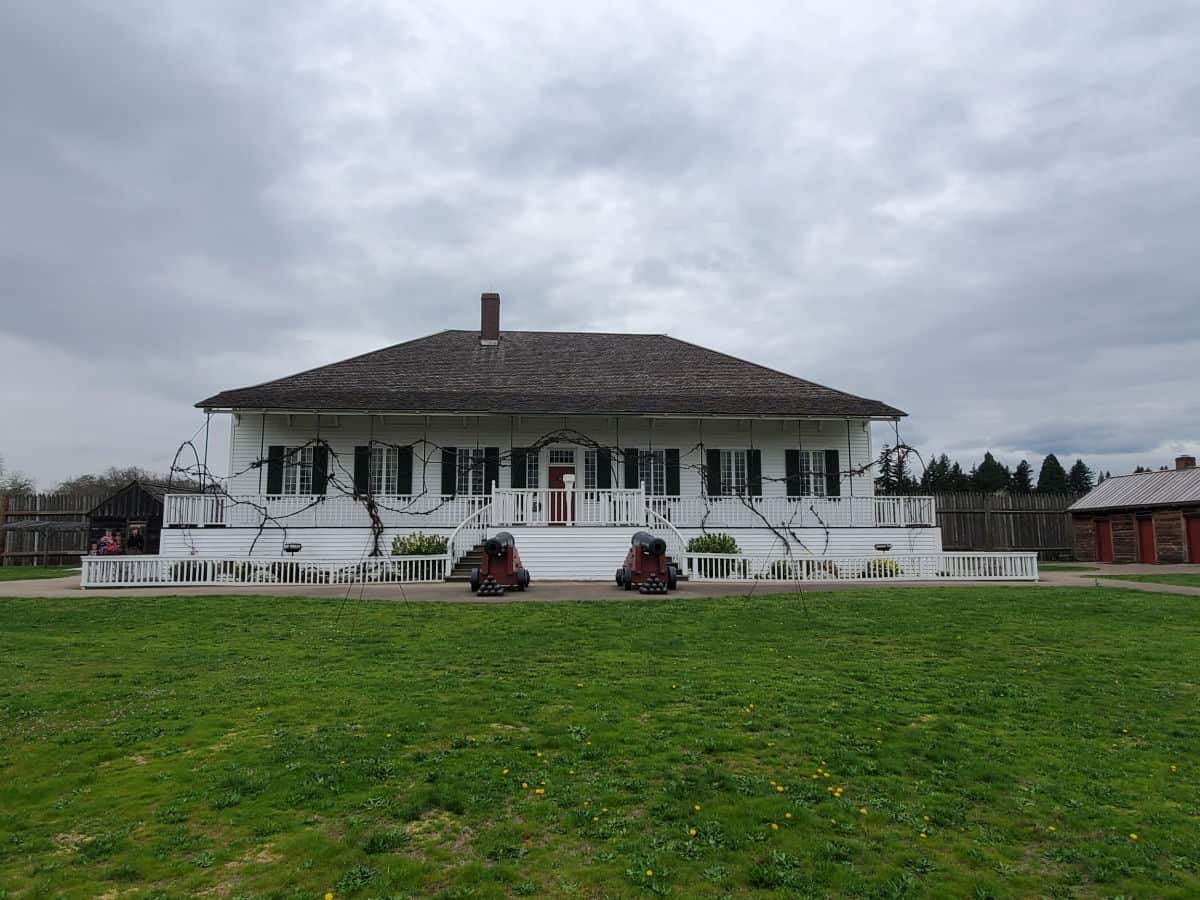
[[603, 470], [404, 470], [275, 470], [791, 471], [362, 471], [631, 467], [491, 468], [712, 472], [754, 472], [517, 475], [449, 471], [833, 474], [320, 478], [671, 457]]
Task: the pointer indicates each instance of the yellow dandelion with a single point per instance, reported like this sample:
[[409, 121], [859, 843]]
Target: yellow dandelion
[[539, 790], [829, 790], [1174, 768], [826, 774], [329, 895], [772, 782], [587, 803], [1052, 828], [504, 771], [649, 873], [604, 809], [692, 832], [674, 685], [595, 818], [774, 826], [342, 763], [926, 818], [862, 810], [779, 788], [696, 807], [524, 785], [924, 835], [752, 706], [389, 734], [1133, 837], [579, 684], [770, 743], [570, 771], [787, 815], [833, 821], [539, 753], [815, 777]]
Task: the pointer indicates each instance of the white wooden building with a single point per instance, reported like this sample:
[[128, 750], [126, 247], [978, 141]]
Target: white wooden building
[[570, 441]]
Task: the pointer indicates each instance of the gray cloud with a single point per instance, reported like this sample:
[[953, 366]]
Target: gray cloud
[[985, 216]]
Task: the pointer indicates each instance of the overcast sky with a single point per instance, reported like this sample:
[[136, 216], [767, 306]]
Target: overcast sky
[[988, 216]]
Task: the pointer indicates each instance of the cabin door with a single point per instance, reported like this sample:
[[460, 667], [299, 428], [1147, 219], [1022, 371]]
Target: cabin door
[[1193, 538], [1103, 540], [1145, 528], [562, 504]]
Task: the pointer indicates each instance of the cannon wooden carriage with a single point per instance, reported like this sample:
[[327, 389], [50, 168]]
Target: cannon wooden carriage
[[647, 566], [500, 567]]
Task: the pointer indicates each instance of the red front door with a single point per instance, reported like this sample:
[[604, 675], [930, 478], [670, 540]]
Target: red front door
[[1193, 538], [561, 510], [1145, 540], [1103, 540]]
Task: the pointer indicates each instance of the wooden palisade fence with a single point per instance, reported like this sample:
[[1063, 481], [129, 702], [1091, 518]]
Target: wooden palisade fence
[[1021, 522], [60, 539]]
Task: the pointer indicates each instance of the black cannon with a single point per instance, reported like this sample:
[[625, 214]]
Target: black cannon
[[647, 566], [501, 567]]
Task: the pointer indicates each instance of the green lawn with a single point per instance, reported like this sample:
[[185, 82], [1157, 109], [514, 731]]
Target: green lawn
[[1179, 578], [278, 747], [21, 573]]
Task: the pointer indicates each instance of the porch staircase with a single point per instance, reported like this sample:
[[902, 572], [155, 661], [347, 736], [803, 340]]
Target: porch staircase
[[473, 557]]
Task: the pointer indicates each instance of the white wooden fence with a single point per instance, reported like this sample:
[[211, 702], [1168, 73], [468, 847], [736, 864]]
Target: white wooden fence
[[147, 571], [890, 568]]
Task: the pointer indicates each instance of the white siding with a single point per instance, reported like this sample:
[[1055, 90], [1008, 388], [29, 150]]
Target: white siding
[[252, 434]]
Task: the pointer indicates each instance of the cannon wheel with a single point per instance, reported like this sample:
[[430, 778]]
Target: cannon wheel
[[672, 577], [522, 578], [474, 580], [621, 577], [627, 578]]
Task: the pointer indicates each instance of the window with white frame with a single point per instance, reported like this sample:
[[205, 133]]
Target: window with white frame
[[385, 470], [298, 470], [733, 472], [812, 473], [562, 457], [533, 460], [590, 463], [470, 470], [652, 471]]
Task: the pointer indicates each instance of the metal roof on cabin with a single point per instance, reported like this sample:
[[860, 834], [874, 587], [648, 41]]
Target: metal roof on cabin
[[532, 372], [1167, 487]]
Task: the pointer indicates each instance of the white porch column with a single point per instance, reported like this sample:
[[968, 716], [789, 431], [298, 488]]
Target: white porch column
[[569, 496]]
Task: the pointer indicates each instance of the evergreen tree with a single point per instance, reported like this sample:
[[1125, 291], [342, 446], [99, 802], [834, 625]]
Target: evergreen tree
[[904, 482], [1052, 479], [1022, 478], [1079, 480], [989, 476], [885, 481], [957, 480]]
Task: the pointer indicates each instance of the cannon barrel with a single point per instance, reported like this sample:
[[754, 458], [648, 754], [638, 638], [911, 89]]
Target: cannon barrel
[[649, 544], [499, 544]]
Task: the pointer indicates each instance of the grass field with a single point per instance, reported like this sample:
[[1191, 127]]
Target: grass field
[[953, 742], [1178, 578], [22, 573]]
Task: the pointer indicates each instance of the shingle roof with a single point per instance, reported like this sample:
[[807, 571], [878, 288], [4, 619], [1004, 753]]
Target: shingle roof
[[1169, 487], [545, 372]]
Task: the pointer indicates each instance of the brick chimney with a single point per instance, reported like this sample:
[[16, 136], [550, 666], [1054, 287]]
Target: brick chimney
[[489, 323], [1185, 462]]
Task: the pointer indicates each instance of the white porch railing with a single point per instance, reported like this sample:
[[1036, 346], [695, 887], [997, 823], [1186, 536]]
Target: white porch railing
[[147, 571], [470, 532], [676, 545], [549, 506], [314, 510], [562, 506], [795, 512], [900, 567]]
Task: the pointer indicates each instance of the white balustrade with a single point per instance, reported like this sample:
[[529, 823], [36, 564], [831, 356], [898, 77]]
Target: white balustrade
[[148, 571], [562, 506], [893, 568]]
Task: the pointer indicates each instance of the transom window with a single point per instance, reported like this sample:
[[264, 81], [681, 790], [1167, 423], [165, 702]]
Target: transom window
[[812, 473], [562, 457], [733, 472], [652, 471], [470, 470], [385, 470], [298, 470], [532, 467]]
